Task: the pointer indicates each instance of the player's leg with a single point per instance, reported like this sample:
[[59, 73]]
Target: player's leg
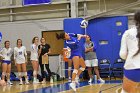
[[89, 67], [8, 74], [35, 71], [81, 69], [24, 70], [19, 73], [42, 71], [76, 61], [4, 70]]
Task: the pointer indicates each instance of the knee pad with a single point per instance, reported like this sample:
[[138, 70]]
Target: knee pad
[[4, 73], [35, 72], [82, 69], [75, 71], [69, 68]]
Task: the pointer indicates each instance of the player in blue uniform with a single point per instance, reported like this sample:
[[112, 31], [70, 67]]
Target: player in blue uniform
[[72, 41]]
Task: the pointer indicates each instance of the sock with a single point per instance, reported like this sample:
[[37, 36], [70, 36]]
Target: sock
[[20, 79], [35, 79]]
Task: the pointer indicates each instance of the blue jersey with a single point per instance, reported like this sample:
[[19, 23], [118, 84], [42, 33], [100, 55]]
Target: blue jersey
[[74, 45]]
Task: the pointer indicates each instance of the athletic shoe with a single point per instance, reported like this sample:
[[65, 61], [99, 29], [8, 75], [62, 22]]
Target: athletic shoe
[[101, 80], [9, 83], [90, 81], [73, 86], [27, 82], [20, 83], [43, 82], [36, 82]]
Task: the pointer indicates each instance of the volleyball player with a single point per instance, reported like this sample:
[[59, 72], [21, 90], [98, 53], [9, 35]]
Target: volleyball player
[[72, 41], [34, 58], [130, 51], [20, 58], [91, 59], [6, 53]]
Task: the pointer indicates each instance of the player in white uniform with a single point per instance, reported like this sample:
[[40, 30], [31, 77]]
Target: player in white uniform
[[34, 58], [20, 58], [6, 53]]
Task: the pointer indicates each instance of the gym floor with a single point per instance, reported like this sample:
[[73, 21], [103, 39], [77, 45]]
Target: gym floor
[[113, 86]]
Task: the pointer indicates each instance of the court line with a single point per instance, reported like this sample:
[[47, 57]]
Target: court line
[[109, 88]]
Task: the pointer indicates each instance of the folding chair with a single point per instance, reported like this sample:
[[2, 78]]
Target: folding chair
[[105, 68], [117, 70]]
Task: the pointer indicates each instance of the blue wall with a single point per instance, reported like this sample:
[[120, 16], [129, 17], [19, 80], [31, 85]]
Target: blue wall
[[101, 29]]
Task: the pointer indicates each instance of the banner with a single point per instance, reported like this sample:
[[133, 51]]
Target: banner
[[35, 2]]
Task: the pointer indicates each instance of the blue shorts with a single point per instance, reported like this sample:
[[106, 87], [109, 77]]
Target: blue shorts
[[6, 61], [75, 53], [133, 74]]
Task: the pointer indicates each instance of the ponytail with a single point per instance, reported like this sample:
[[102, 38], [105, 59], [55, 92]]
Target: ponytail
[[137, 20]]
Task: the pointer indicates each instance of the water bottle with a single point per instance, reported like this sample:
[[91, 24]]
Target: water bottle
[[51, 80], [95, 79]]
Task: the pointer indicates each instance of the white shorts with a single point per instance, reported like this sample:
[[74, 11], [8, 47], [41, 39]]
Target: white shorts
[[91, 63], [20, 62], [34, 57]]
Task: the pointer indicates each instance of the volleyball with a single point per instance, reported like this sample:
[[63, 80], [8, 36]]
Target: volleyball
[[84, 24]]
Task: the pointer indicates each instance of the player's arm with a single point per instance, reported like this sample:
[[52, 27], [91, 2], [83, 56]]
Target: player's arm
[[25, 53], [39, 50], [48, 51], [1, 55], [79, 36], [15, 55]]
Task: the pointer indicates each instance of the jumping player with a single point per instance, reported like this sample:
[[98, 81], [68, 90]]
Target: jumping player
[[72, 41]]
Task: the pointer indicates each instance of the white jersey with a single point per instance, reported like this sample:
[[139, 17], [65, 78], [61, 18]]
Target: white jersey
[[6, 53], [129, 46], [34, 52], [19, 54]]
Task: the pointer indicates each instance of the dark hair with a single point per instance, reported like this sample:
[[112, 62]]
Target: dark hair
[[5, 43], [89, 37], [33, 40], [18, 40], [41, 39], [60, 36], [137, 21]]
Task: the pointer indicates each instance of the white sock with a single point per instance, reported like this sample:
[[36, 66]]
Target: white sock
[[20, 79], [123, 91], [8, 80], [90, 78], [26, 79], [35, 79]]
